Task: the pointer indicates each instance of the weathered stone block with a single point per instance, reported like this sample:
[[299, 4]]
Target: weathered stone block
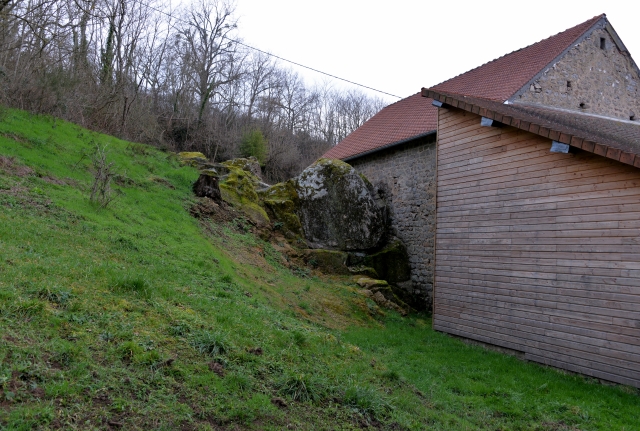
[[336, 207], [391, 263], [330, 261]]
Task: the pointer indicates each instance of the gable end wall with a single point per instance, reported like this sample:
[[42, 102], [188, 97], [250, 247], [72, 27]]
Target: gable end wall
[[605, 80], [537, 252]]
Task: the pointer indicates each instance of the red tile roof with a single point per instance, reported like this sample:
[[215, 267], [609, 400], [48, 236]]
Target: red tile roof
[[405, 119], [501, 78]]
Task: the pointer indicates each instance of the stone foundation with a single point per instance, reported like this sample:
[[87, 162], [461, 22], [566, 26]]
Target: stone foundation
[[405, 177]]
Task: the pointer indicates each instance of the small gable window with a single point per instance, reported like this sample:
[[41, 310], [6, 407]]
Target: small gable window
[[603, 43]]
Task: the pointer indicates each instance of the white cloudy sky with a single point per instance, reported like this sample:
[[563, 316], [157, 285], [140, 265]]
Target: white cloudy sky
[[400, 46]]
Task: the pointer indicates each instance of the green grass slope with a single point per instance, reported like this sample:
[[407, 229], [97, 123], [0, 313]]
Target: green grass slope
[[139, 316]]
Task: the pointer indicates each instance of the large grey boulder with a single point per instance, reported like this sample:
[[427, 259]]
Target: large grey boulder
[[336, 207]]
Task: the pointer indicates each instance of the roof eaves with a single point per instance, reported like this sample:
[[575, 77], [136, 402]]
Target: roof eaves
[[583, 143], [601, 23], [387, 146]]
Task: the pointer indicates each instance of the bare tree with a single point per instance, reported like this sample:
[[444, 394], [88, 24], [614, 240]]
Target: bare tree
[[208, 51], [127, 68]]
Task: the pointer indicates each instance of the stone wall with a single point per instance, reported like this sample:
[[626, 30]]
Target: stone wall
[[405, 177], [603, 80]]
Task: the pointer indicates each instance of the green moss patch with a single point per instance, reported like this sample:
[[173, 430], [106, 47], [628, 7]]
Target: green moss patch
[[391, 263]]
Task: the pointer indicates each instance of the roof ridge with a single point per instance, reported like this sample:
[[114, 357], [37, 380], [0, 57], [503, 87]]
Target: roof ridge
[[590, 22]]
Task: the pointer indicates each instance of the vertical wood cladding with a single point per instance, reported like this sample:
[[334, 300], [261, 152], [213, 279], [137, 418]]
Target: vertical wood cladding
[[536, 251]]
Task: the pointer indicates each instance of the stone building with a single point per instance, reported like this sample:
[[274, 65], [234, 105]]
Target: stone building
[[395, 150], [585, 70]]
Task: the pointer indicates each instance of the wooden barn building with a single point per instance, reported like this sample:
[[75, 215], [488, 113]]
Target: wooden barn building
[[538, 204], [536, 209]]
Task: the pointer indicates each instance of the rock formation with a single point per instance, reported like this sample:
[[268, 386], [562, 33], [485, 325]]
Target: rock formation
[[337, 208], [328, 213]]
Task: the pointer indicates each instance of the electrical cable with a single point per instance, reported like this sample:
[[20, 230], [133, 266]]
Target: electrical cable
[[273, 55]]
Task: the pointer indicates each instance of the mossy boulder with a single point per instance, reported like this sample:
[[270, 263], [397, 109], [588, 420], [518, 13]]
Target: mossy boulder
[[363, 270], [337, 208], [391, 263], [249, 164], [382, 293], [330, 261], [370, 283], [281, 201], [192, 158], [239, 188]]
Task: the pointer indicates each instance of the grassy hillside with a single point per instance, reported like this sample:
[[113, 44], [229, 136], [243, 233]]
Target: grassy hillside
[[140, 316]]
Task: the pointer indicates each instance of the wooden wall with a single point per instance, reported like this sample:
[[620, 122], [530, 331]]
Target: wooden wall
[[536, 251]]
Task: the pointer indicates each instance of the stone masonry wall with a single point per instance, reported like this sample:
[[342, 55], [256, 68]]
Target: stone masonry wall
[[603, 80], [405, 177]]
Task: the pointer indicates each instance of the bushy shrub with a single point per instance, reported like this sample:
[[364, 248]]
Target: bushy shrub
[[302, 387], [254, 144]]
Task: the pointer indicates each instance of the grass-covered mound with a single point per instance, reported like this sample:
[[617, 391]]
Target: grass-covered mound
[[132, 314]]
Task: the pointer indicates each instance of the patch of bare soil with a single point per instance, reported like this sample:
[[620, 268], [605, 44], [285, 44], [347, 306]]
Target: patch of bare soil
[[207, 209], [163, 181], [102, 399], [9, 165], [217, 368]]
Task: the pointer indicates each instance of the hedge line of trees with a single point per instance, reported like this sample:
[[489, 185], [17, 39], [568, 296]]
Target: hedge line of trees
[[175, 78]]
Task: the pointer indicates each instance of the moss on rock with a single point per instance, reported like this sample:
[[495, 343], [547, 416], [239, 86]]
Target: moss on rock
[[382, 293], [192, 158], [337, 209], [363, 270], [238, 188], [280, 201], [330, 261], [249, 164], [391, 263]]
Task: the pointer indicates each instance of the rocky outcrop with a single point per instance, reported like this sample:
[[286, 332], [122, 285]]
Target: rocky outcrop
[[192, 158], [328, 261], [281, 203], [336, 207], [391, 263], [236, 182], [239, 187], [382, 294], [207, 186], [329, 208]]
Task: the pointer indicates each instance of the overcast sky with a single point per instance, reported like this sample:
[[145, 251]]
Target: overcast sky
[[400, 46]]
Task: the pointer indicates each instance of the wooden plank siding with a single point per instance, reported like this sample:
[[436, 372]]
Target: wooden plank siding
[[537, 252]]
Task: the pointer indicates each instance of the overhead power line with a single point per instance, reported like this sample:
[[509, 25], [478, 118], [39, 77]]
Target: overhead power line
[[275, 56], [311, 68]]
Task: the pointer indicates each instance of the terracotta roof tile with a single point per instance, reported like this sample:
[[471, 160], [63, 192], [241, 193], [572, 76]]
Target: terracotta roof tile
[[502, 78], [405, 119]]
